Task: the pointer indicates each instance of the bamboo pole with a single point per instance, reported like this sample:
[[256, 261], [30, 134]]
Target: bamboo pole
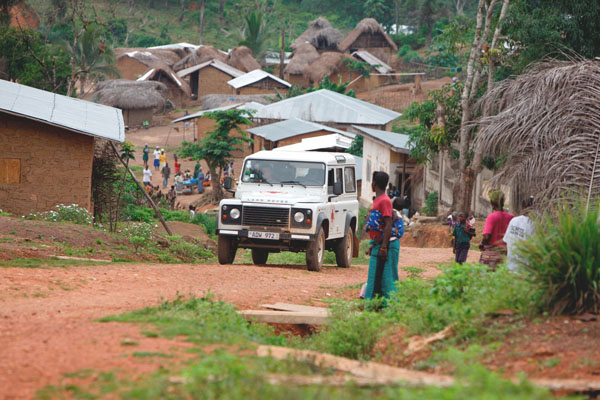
[[139, 185]]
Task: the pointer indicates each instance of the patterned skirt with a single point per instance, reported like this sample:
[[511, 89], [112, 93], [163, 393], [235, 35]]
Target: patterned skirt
[[492, 256]]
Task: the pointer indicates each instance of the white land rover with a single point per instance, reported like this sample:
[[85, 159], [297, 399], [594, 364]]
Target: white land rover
[[292, 201]]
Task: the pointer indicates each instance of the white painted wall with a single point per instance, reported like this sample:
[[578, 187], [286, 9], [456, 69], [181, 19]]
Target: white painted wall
[[378, 156]]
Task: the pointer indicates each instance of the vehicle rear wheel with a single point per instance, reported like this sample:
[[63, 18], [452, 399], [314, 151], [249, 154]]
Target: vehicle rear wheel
[[226, 249], [343, 251], [260, 256], [315, 252]]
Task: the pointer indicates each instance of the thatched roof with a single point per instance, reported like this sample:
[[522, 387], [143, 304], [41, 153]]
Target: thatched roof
[[161, 70], [301, 58], [547, 125], [241, 58], [368, 26], [123, 83], [320, 34], [201, 55], [324, 65], [130, 97], [148, 56]]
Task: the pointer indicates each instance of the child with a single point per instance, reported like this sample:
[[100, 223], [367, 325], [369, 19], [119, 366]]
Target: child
[[147, 179], [463, 233]]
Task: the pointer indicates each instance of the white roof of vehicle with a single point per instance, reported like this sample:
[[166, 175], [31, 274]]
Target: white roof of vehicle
[[292, 127], [327, 106], [308, 156], [253, 77], [66, 112]]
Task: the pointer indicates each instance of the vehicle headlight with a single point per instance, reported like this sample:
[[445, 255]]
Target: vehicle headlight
[[299, 216], [234, 213]]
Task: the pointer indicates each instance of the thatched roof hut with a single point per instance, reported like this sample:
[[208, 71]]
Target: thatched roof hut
[[301, 58], [546, 123], [320, 34], [370, 36], [126, 83], [148, 56], [179, 90], [325, 65], [201, 55], [241, 58]]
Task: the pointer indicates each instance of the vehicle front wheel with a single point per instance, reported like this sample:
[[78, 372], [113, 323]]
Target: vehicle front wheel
[[260, 256], [343, 251], [315, 252], [226, 249]]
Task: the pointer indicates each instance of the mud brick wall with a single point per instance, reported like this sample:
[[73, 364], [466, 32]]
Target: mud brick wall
[[213, 81], [56, 166]]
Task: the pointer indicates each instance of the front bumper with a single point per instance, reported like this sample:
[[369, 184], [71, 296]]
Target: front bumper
[[283, 236]]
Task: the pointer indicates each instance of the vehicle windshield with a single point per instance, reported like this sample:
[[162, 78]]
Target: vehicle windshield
[[284, 172]]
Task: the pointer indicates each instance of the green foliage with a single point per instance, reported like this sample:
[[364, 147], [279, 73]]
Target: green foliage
[[140, 235], [255, 33], [350, 332], [463, 295], [431, 204], [356, 148], [127, 151], [430, 137], [362, 68], [450, 47], [410, 42], [339, 87], [62, 213], [45, 263], [186, 251], [563, 259]]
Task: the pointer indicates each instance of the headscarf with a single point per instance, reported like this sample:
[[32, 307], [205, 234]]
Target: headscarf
[[496, 197]]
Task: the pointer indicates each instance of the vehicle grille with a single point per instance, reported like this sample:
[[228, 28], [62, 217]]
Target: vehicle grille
[[266, 216]]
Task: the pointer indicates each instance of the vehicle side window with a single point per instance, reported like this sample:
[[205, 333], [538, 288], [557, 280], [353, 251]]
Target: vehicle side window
[[330, 181], [339, 177], [349, 181]]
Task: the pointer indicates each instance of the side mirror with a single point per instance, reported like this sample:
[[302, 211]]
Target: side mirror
[[337, 188], [227, 183]]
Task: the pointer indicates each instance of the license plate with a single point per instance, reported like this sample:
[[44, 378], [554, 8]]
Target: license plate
[[263, 235]]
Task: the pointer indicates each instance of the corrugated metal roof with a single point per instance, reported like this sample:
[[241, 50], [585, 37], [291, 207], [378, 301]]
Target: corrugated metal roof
[[369, 58], [398, 141], [176, 46], [292, 127], [319, 143], [253, 77], [221, 66], [327, 106], [76, 115], [249, 106]]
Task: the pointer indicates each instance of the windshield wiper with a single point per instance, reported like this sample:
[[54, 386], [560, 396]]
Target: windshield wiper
[[294, 183], [266, 181]]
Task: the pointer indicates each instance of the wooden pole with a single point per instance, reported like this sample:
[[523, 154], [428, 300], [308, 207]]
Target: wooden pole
[[403, 177], [441, 177], [139, 185], [282, 54]]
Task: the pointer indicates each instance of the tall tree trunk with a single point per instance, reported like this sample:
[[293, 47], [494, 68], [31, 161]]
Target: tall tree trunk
[[282, 54], [215, 183], [202, 4]]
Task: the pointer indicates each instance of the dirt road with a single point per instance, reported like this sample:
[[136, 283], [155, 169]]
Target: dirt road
[[47, 316]]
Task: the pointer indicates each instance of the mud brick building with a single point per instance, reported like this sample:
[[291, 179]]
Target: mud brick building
[[48, 147]]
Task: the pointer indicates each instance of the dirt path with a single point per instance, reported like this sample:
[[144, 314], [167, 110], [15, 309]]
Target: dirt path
[[47, 316]]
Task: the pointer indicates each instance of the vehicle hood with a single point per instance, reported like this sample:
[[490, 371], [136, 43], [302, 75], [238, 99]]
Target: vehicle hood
[[279, 196]]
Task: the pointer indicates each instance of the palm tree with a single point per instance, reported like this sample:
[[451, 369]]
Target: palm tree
[[254, 34], [91, 59]]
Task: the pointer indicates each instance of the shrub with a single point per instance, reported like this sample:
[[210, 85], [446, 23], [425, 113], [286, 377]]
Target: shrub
[[187, 251], [350, 333], [62, 213], [563, 259], [140, 235], [431, 204], [138, 213]]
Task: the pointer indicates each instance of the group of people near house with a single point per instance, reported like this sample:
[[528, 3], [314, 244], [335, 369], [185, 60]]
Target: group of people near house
[[501, 234]]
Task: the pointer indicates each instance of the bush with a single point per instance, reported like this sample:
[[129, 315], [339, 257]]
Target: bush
[[563, 259], [350, 333], [140, 235], [62, 213], [463, 295], [138, 213], [431, 204], [187, 251]]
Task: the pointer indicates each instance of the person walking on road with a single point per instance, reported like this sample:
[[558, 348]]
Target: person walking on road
[[147, 178], [493, 248], [166, 172], [162, 158], [463, 233], [145, 155], [156, 154]]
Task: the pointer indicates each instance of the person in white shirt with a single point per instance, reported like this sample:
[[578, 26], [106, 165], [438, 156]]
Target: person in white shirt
[[156, 158], [519, 229], [147, 179]]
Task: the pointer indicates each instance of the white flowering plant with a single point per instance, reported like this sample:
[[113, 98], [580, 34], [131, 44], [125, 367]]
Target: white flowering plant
[[140, 235], [65, 213]]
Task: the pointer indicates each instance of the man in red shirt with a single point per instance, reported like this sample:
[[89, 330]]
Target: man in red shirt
[[385, 249], [493, 248]]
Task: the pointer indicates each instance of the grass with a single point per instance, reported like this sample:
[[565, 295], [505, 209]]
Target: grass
[[46, 263]]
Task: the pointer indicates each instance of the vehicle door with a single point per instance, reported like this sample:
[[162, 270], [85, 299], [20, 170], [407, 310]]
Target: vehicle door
[[349, 199], [337, 204]]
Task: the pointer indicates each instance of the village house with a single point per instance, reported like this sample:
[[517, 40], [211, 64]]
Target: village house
[[273, 60], [302, 57], [178, 90], [390, 152], [258, 82], [321, 35], [134, 62], [284, 133], [370, 36], [242, 59], [48, 147], [139, 100], [210, 77], [200, 55], [328, 108]]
